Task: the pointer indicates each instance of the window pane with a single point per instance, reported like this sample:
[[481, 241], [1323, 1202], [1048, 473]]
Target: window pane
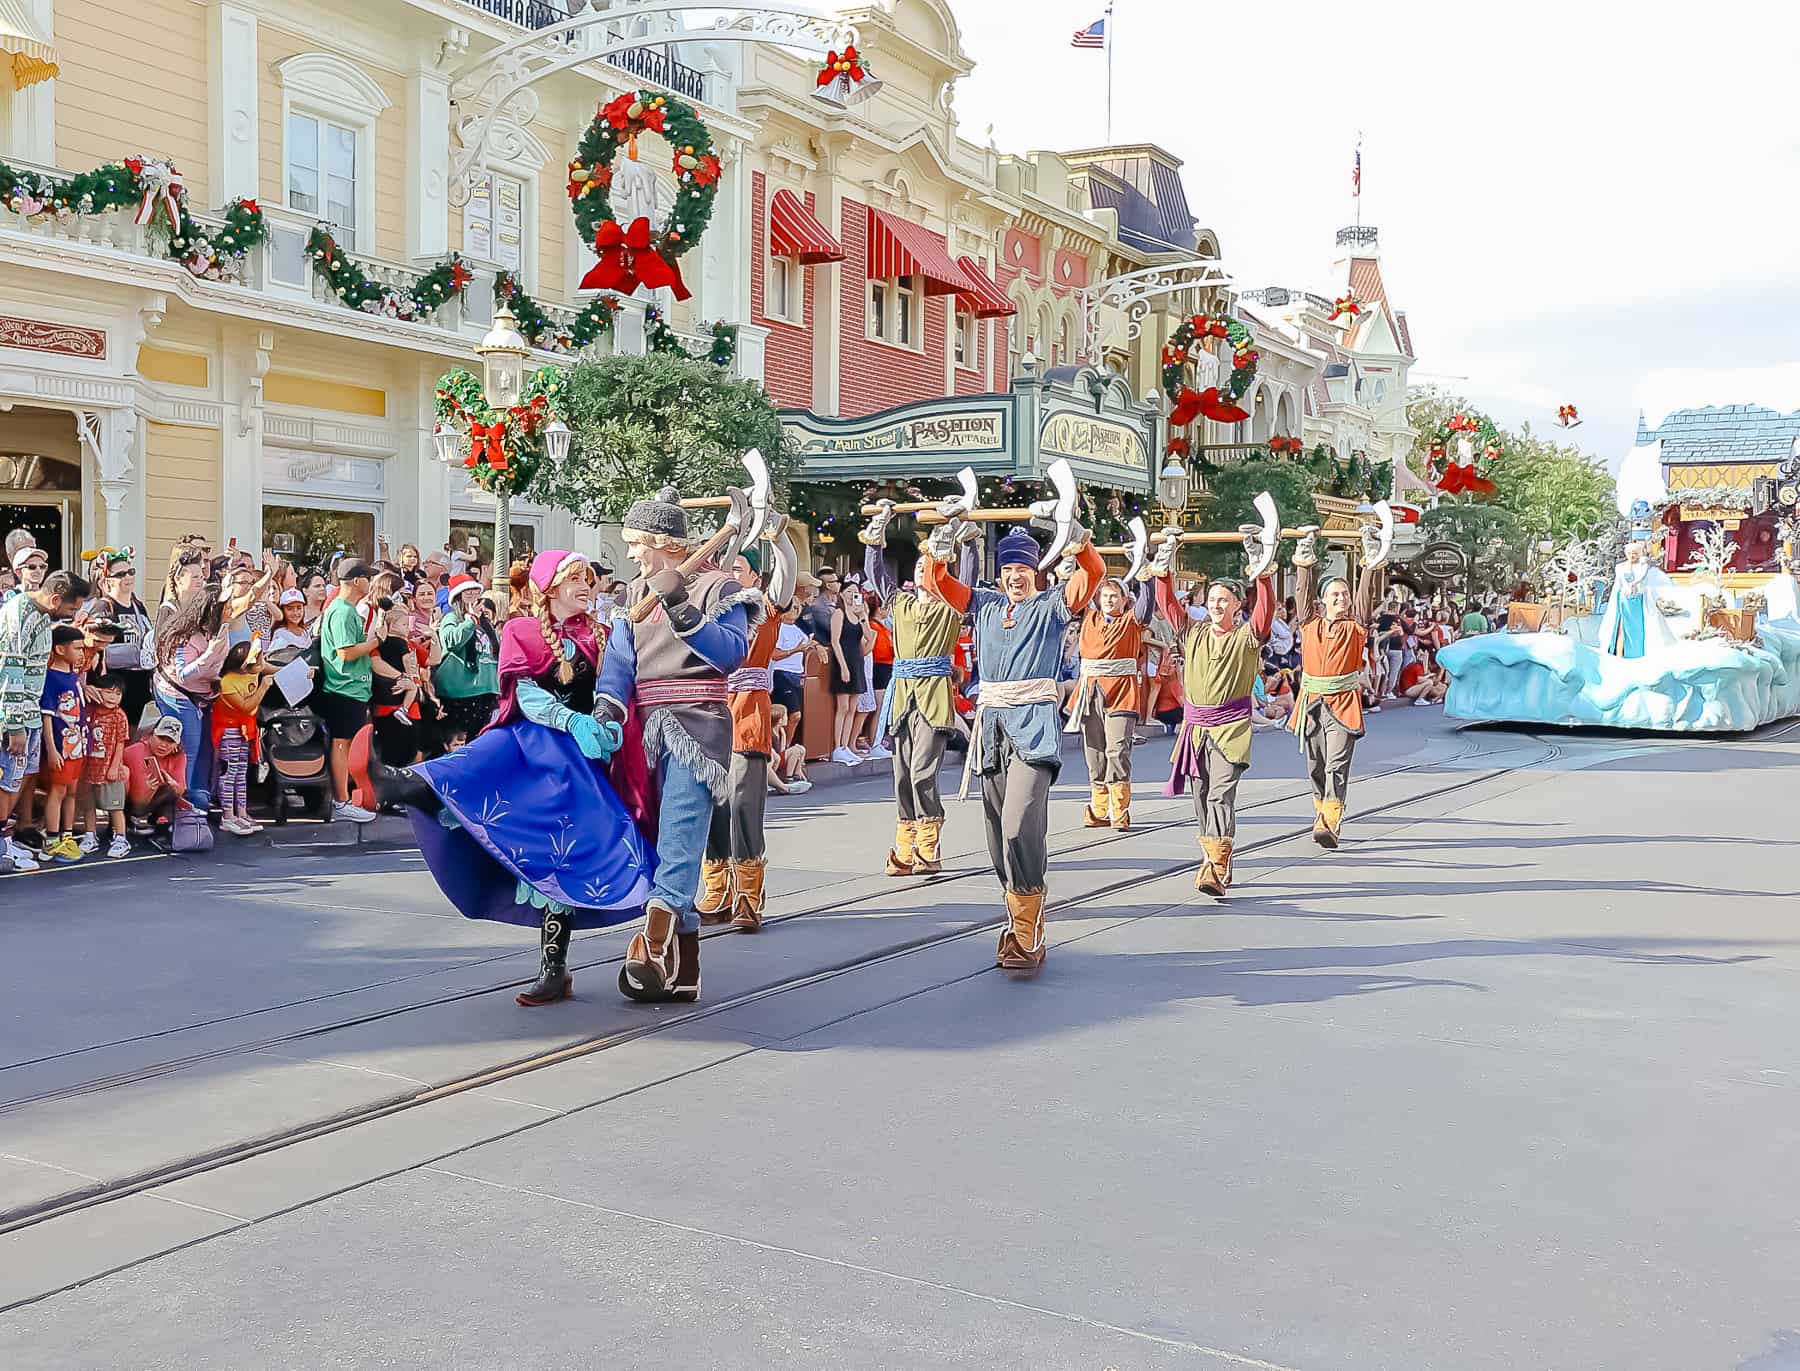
[[303, 141], [877, 309], [342, 150], [303, 190]]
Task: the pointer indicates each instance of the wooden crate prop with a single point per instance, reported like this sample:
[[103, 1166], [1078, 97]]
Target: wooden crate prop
[[1523, 616], [1739, 623]]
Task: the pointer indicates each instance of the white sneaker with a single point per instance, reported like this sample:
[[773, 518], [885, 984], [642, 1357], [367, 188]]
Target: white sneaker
[[356, 814], [119, 847], [878, 753], [87, 842], [845, 757], [799, 787], [21, 859], [1420, 702]]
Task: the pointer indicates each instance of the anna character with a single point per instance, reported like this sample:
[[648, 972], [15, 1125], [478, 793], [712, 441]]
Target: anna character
[[524, 825]]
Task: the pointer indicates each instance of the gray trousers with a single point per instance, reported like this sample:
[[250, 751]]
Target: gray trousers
[[918, 753], [1215, 792], [737, 827], [1015, 800], [1328, 747], [1106, 739]]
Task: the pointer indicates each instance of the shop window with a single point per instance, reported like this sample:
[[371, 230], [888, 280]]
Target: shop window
[[309, 536], [322, 173], [965, 339], [477, 535], [779, 289], [894, 307]]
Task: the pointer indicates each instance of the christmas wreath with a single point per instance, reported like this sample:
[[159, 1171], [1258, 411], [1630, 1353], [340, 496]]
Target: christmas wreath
[[1217, 403], [157, 196], [354, 287], [635, 254], [659, 337], [1461, 451], [506, 447], [595, 319]]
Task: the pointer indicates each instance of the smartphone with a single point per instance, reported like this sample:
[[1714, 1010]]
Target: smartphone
[[475, 547]]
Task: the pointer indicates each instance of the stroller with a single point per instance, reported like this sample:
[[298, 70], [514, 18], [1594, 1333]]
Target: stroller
[[295, 748]]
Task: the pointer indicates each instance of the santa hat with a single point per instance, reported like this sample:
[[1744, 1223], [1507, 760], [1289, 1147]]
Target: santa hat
[[458, 584]]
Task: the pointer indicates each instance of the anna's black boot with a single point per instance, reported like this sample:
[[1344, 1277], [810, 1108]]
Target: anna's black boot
[[403, 787], [554, 981]]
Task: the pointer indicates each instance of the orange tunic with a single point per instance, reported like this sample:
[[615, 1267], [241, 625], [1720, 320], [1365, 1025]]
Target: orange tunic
[[1100, 641], [1335, 648], [752, 728]]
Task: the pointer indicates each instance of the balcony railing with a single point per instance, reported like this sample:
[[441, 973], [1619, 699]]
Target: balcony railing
[[649, 64]]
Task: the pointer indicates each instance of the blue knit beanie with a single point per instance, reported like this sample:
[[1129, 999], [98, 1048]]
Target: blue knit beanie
[[1020, 548]]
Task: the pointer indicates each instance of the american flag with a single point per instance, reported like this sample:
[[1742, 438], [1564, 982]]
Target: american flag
[[1356, 175], [1093, 36]]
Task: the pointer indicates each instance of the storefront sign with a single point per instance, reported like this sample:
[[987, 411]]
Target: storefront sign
[[1085, 437], [66, 340], [1443, 561], [980, 431]]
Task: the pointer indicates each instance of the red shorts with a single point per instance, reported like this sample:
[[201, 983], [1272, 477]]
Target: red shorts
[[70, 773]]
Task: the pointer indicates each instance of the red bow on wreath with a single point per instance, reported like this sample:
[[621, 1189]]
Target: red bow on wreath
[[1190, 404], [627, 261], [1459, 480], [835, 66], [489, 447]]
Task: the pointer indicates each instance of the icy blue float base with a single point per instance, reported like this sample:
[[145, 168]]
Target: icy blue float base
[[1694, 687]]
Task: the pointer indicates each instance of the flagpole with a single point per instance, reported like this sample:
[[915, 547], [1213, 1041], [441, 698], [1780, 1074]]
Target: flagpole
[[1109, 48]]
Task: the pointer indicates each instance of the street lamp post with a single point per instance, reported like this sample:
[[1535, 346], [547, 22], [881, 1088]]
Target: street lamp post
[[503, 352]]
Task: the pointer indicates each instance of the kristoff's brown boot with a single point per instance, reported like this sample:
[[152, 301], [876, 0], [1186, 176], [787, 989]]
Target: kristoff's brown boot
[[1121, 806], [1323, 833], [1022, 944], [653, 960], [1211, 879], [713, 904], [900, 855], [926, 859], [1099, 805], [747, 909]]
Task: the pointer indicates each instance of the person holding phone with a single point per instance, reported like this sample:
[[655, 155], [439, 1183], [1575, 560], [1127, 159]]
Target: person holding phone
[[345, 647]]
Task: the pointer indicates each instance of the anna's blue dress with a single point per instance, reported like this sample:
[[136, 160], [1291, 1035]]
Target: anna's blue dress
[[530, 823]]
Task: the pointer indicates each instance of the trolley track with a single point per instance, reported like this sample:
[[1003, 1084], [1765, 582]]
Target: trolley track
[[181, 1062], [87, 1198]]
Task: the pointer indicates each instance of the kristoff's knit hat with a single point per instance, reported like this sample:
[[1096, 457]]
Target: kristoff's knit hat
[[662, 517], [1019, 548]]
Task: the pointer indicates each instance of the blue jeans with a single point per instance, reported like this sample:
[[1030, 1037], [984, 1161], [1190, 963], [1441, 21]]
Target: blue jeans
[[684, 814], [196, 742]]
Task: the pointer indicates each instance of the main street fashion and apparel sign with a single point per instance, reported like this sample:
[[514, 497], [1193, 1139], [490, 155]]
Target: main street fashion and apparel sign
[[931, 439]]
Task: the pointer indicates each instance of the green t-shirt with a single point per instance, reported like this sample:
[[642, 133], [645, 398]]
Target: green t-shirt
[[342, 627], [1474, 622]]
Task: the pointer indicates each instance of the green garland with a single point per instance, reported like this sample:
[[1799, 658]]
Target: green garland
[[506, 447], [353, 287], [540, 329], [659, 337], [696, 166], [207, 253]]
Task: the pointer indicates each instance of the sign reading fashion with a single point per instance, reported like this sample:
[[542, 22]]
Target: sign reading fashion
[[1083, 436], [968, 431]]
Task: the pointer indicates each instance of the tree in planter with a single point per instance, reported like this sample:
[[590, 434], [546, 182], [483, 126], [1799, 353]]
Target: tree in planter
[[1490, 536], [642, 423], [1234, 491]]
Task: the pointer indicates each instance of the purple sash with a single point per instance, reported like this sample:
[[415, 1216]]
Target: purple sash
[[1187, 755]]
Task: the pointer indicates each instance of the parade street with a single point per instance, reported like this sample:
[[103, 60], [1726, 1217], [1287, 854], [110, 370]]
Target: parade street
[[1507, 1081]]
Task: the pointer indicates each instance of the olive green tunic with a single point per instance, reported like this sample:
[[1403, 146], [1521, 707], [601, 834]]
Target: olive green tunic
[[924, 628], [1218, 668]]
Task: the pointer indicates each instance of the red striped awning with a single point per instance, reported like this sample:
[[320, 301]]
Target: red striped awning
[[794, 232], [983, 299], [900, 248]]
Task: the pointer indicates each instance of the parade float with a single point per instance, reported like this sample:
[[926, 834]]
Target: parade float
[[1625, 645]]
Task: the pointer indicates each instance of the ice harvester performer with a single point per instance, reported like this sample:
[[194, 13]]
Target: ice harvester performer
[[1015, 741], [1334, 640], [1109, 696], [1220, 661], [525, 825], [918, 713], [670, 670]]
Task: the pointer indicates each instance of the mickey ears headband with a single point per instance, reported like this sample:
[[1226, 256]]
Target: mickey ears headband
[[108, 555]]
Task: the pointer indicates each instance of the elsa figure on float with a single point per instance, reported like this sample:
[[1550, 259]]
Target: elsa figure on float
[[1633, 626]]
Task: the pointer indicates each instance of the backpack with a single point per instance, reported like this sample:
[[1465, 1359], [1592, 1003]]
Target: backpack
[[190, 832]]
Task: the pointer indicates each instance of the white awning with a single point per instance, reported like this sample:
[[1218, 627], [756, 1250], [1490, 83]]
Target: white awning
[[33, 56]]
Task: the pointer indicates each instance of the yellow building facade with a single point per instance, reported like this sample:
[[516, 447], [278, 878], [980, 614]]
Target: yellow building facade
[[140, 401]]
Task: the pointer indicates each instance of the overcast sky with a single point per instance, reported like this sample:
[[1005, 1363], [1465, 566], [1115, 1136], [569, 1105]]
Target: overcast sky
[[1592, 201]]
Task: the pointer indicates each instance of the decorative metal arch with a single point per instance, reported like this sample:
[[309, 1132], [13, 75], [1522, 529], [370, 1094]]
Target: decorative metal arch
[[496, 90], [1133, 292]]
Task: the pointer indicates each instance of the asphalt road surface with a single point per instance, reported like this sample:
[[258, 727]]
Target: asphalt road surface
[[1508, 1081]]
